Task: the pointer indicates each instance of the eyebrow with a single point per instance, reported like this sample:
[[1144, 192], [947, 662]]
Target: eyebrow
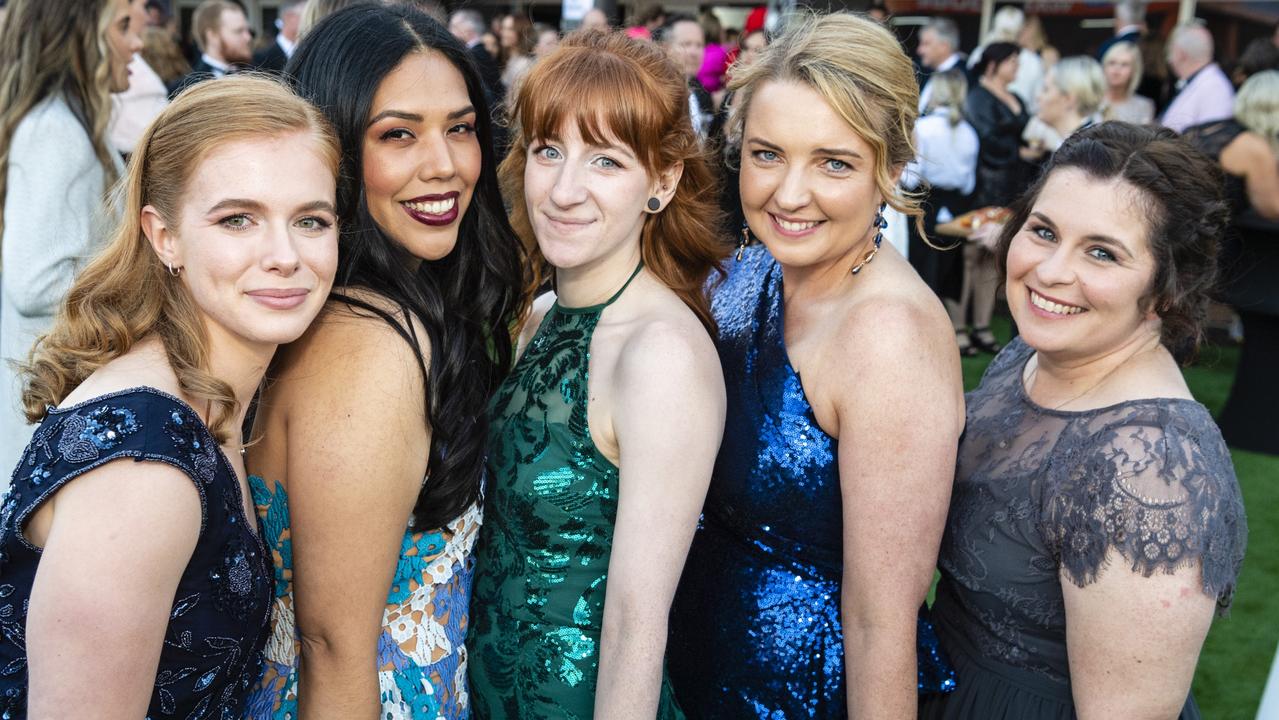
[[1096, 237], [817, 151], [414, 117], [255, 206]]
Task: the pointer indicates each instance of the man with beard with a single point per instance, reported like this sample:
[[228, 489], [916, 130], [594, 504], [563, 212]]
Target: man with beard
[[221, 31]]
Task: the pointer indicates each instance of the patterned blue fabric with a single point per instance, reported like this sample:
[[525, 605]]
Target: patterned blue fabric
[[213, 645], [755, 631]]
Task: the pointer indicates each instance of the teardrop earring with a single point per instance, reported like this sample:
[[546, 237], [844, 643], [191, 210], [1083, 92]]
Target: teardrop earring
[[746, 240]]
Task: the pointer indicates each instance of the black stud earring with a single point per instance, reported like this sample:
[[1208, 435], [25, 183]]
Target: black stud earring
[[654, 204]]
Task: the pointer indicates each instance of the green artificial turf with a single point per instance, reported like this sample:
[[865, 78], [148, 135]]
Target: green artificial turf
[[1236, 658]]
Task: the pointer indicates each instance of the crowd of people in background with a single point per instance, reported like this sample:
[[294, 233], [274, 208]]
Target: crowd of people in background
[[468, 367]]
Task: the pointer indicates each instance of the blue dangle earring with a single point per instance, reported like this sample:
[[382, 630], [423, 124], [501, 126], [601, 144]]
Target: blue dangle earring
[[746, 240], [879, 223]]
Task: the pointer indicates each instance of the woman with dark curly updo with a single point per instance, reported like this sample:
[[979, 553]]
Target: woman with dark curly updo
[[1096, 521]]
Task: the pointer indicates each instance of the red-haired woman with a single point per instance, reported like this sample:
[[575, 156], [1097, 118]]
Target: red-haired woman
[[603, 437]]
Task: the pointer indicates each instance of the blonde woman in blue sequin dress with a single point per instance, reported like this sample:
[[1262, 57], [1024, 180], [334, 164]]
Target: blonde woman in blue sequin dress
[[825, 512]]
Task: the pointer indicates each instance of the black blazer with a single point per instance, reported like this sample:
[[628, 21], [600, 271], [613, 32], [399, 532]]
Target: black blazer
[[200, 71], [270, 59]]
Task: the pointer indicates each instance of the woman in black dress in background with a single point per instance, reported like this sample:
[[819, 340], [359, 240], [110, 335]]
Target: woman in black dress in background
[[1096, 522]]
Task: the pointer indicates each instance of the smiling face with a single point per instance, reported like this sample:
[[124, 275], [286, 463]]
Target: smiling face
[[585, 202], [807, 179], [421, 155], [256, 238], [124, 38], [1076, 281]]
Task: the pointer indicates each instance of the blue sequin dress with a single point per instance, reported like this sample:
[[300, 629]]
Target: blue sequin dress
[[755, 630], [212, 648]]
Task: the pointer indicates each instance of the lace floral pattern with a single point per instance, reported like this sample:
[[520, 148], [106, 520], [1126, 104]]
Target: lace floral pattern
[[212, 646], [421, 651], [1042, 495]]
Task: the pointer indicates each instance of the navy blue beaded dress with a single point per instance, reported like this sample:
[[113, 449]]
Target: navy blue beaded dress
[[755, 628], [217, 628]]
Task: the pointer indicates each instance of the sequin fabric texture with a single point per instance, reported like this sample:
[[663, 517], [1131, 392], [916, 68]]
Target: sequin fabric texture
[[542, 561], [421, 650], [212, 648], [755, 630], [1043, 496]]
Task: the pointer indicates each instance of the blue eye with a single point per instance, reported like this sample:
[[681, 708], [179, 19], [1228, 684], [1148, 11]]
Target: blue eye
[[837, 165], [609, 163], [1044, 233], [767, 156], [547, 152], [1101, 254]]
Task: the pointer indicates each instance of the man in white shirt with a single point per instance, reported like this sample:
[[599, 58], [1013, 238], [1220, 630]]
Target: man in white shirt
[[1204, 93], [275, 56], [938, 51]]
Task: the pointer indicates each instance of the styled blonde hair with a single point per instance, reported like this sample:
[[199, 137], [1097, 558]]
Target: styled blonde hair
[[50, 47], [1133, 52], [861, 71], [126, 293], [1080, 76], [1257, 106]]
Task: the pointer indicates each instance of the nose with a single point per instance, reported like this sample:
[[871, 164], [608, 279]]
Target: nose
[[568, 189], [280, 251], [1056, 268], [793, 192], [436, 159]]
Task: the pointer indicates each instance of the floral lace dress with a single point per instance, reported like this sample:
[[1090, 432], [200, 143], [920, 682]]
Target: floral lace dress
[[212, 648], [421, 652], [1043, 495]]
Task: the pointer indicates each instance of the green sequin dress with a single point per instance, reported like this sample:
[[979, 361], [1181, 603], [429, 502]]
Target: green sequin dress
[[542, 557]]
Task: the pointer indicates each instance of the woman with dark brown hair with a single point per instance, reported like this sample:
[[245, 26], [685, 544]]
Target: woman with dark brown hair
[[1096, 522], [517, 40], [603, 437]]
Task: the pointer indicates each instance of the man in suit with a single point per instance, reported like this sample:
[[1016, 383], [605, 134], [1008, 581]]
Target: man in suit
[[467, 25], [938, 52], [685, 43], [275, 56], [221, 31]]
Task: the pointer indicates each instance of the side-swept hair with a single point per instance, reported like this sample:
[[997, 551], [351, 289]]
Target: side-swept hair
[[467, 301], [125, 293], [50, 47], [860, 69], [617, 88], [1181, 200]]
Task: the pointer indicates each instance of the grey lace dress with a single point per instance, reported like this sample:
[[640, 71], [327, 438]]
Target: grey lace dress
[[1041, 496]]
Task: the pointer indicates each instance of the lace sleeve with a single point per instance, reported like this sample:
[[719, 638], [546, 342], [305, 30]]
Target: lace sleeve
[[1158, 488]]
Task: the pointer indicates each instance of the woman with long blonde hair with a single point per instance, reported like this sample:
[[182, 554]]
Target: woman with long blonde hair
[[143, 588], [59, 62]]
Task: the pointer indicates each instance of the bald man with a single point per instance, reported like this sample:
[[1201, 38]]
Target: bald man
[[1204, 93]]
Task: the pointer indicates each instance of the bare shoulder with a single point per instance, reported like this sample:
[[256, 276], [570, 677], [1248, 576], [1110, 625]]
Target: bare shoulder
[[668, 342], [906, 318], [1246, 151], [541, 306], [350, 350]]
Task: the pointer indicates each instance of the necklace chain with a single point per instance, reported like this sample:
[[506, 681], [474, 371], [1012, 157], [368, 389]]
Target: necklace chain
[[1034, 375]]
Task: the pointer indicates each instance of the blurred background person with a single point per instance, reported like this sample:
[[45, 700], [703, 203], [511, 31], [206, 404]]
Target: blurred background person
[[945, 167], [1008, 25], [684, 41], [1258, 55], [60, 60], [1130, 25], [275, 56], [517, 49], [999, 117], [647, 19], [164, 55], [1070, 99], [548, 38], [1204, 93], [938, 51], [714, 56], [313, 11], [1121, 66], [133, 109], [1034, 39], [222, 33], [468, 26], [595, 19]]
